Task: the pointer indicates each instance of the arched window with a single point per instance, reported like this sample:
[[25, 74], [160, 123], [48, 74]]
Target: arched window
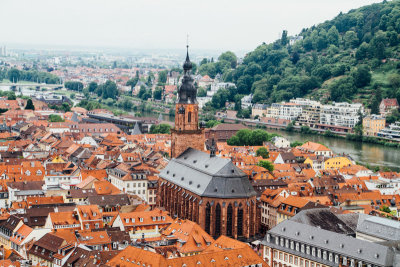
[[229, 220], [240, 221], [218, 220], [208, 215], [189, 116]]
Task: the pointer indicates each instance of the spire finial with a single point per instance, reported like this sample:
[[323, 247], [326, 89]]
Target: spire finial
[[187, 47]]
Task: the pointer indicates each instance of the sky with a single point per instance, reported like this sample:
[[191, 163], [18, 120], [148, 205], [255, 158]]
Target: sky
[[220, 25]]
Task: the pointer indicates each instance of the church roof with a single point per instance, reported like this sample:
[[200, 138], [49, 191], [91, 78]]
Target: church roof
[[203, 175], [136, 130]]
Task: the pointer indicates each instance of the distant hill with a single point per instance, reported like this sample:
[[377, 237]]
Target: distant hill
[[354, 57]]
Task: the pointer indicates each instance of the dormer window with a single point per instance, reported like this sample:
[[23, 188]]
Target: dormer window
[[141, 219]]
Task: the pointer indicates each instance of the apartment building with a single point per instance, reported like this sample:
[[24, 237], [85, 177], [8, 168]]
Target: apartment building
[[310, 115], [341, 114], [319, 238], [391, 132], [290, 111], [373, 124]]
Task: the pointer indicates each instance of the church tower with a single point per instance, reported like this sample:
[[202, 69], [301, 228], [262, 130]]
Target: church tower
[[187, 132]]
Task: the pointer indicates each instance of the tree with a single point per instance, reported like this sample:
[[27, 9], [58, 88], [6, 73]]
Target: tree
[[14, 75], [108, 90], [266, 164], [296, 143], [362, 51], [342, 89], [65, 107], [201, 92], [247, 137], [333, 36], [203, 61], [11, 95], [157, 93], [284, 38], [73, 85], [212, 123], [385, 209], [258, 137], [262, 152], [160, 128], [133, 81], [350, 39], [362, 76], [55, 118], [394, 80], [92, 87], [162, 77], [29, 105]]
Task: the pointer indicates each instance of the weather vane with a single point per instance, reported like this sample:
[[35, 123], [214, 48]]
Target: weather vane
[[187, 40]]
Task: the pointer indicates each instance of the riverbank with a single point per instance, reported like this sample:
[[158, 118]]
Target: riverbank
[[310, 131]]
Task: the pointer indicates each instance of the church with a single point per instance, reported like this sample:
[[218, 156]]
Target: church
[[200, 186]]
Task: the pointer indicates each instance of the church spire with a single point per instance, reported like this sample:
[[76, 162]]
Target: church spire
[[187, 92], [187, 66]]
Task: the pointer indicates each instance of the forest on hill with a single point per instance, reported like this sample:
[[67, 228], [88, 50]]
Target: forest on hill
[[353, 57]]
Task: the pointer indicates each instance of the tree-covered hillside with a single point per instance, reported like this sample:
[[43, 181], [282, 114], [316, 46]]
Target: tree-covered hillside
[[354, 57]]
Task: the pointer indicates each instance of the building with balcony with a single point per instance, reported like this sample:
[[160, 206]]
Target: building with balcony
[[391, 132], [341, 114]]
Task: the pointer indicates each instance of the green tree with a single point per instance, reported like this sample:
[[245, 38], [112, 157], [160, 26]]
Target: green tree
[[350, 39], [212, 123], [92, 87], [296, 143], [109, 90], [284, 38], [362, 51], [201, 92], [11, 95], [362, 76], [55, 118], [394, 80], [262, 152], [160, 128], [162, 77], [385, 209], [14, 75], [230, 57], [73, 85], [157, 93], [342, 89], [266, 164], [29, 105], [333, 36], [258, 137], [133, 81]]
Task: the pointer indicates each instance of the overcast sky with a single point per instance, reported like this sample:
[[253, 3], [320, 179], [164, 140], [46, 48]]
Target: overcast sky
[[162, 24]]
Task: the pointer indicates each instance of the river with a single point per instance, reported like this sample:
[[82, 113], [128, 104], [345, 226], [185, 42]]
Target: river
[[365, 153]]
